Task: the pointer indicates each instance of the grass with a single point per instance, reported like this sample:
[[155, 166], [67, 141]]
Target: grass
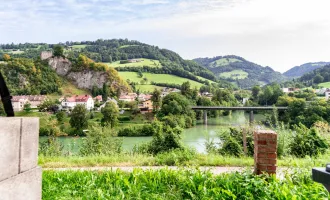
[[223, 62], [147, 88], [144, 62], [158, 78], [177, 184], [127, 159], [235, 74], [79, 46], [124, 46], [325, 85], [204, 79]]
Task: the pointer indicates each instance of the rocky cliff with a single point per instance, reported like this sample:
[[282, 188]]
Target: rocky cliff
[[87, 79]]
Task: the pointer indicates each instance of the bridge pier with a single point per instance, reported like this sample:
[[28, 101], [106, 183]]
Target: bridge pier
[[205, 116], [251, 117]]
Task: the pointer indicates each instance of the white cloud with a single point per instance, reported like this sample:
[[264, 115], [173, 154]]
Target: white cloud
[[278, 33]]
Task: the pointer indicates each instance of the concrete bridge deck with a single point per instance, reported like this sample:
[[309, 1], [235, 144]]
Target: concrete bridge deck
[[251, 109]]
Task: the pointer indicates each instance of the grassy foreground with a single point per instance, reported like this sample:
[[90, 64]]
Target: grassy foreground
[[172, 159], [182, 184]]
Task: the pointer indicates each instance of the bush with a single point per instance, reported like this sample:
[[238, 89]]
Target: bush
[[175, 157], [307, 142], [51, 147], [100, 141], [231, 147], [135, 131]]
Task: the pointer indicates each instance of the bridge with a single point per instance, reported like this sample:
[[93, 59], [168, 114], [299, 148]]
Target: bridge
[[251, 109]]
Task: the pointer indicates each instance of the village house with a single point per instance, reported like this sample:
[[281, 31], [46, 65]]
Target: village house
[[128, 97], [144, 97], [289, 90], [167, 91], [109, 100], [207, 95], [327, 94], [145, 106], [71, 102], [34, 100], [98, 98]]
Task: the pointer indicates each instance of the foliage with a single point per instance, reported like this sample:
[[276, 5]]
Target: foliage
[[48, 106], [164, 139], [27, 107], [256, 73], [319, 75], [26, 76], [303, 69], [110, 114], [136, 131], [175, 157], [307, 142], [6, 57], [60, 116], [100, 141], [78, 119], [58, 51], [177, 184], [176, 107], [156, 100]]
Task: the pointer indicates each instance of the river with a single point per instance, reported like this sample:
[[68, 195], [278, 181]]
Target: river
[[193, 137]]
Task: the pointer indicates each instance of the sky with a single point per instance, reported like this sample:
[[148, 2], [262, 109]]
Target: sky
[[276, 33]]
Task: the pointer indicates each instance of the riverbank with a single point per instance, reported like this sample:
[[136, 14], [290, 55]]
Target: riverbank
[[172, 159]]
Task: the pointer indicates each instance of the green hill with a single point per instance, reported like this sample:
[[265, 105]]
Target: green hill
[[303, 69], [317, 76], [127, 56], [240, 71]]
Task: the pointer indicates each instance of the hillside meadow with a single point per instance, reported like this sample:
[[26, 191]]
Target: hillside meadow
[[158, 78]]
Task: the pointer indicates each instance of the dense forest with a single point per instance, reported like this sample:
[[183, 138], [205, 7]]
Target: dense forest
[[303, 69], [256, 73], [316, 76]]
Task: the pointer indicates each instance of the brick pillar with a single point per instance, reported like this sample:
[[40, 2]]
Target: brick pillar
[[265, 148]]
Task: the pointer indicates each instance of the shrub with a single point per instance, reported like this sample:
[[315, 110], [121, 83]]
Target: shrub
[[51, 147], [100, 141], [175, 157], [307, 142], [145, 130]]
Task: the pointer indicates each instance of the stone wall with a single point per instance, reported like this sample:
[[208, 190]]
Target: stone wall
[[265, 151], [20, 177]]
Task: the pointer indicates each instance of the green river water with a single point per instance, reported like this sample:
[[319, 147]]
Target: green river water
[[193, 137]]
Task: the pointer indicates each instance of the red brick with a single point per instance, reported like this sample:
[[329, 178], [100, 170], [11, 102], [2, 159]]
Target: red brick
[[271, 155], [271, 168], [272, 162], [272, 142], [262, 142], [262, 155]]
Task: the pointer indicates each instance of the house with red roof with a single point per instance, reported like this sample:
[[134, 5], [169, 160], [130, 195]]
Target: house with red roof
[[71, 102]]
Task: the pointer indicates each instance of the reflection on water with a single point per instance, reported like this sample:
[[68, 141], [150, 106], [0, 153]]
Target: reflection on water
[[194, 137]]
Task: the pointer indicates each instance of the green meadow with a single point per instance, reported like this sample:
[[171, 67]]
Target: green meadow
[[158, 78], [143, 62], [235, 74]]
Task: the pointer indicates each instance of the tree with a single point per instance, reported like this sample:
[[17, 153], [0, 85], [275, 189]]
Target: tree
[[156, 100], [255, 92], [60, 116], [27, 107], [318, 79], [2, 110], [58, 51], [110, 114], [6, 57], [186, 90], [78, 119], [105, 92]]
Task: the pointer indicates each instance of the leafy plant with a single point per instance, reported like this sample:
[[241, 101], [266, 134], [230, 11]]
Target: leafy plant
[[307, 142]]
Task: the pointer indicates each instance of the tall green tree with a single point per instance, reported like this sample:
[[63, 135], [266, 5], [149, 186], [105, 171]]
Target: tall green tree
[[186, 90], [110, 114], [255, 92], [156, 100], [58, 51], [79, 118]]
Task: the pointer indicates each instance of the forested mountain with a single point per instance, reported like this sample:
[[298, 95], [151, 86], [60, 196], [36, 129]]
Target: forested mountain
[[317, 76], [240, 71], [109, 51], [298, 71]]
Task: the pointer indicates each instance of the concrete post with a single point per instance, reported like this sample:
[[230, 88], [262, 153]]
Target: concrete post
[[205, 116], [20, 177], [251, 117], [265, 151]]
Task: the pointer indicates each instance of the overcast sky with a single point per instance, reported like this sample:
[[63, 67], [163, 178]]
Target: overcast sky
[[276, 33]]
